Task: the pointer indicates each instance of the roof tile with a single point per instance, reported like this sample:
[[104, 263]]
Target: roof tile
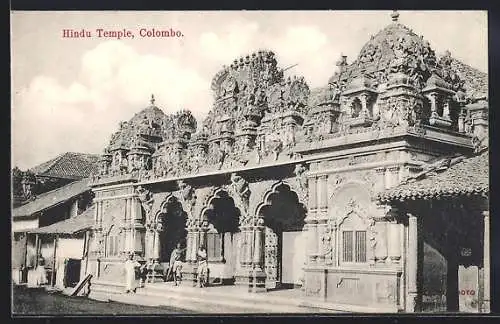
[[468, 176]]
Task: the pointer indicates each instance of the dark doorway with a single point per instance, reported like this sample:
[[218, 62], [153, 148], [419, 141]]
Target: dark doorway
[[174, 230], [223, 219], [73, 272], [284, 219]]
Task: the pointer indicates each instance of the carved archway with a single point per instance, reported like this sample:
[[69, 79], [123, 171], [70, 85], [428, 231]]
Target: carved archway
[[275, 189], [170, 222], [220, 218], [283, 216]]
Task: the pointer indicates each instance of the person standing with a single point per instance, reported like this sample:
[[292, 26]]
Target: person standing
[[130, 274], [175, 265], [202, 267], [41, 273]]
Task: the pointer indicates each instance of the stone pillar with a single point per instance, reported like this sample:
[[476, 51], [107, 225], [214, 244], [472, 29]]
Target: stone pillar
[[446, 108], [381, 250], [412, 265], [461, 122], [257, 282], [155, 267], [322, 193], [313, 198], [392, 177], [189, 271], [126, 225], [311, 222], [156, 243], [380, 179], [196, 243], [130, 237], [394, 242], [189, 244], [486, 263], [364, 105], [432, 98], [320, 239]]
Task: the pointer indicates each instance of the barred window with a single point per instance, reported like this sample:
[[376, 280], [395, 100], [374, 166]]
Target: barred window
[[354, 246], [347, 244], [360, 249]]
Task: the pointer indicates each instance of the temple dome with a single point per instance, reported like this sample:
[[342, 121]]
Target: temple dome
[[149, 114], [396, 48]]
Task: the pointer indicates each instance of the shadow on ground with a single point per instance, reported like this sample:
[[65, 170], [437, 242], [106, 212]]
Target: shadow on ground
[[36, 301]]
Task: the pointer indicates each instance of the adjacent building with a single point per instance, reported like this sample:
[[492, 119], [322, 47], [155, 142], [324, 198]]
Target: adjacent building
[[68, 175]]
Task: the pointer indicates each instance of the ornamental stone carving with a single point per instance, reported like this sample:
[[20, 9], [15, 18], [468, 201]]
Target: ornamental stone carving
[[187, 197], [302, 182], [240, 192], [147, 200]]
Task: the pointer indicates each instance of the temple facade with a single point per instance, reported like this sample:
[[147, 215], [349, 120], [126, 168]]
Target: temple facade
[[282, 183]]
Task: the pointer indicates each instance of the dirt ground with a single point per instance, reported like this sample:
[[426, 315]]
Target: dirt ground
[[33, 301]]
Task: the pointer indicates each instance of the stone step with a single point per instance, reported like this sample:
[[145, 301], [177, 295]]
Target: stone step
[[197, 305], [234, 292], [228, 301]]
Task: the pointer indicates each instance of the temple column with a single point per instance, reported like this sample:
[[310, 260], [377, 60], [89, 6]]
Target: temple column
[[155, 267], [138, 229], [432, 98], [257, 282], [189, 244], [412, 264], [156, 242], [321, 217], [394, 242], [311, 222], [446, 108], [125, 224], [486, 263], [131, 230], [364, 105], [380, 179], [192, 245]]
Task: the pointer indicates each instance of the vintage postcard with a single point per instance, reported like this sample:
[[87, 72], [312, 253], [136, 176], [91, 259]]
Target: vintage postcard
[[250, 162]]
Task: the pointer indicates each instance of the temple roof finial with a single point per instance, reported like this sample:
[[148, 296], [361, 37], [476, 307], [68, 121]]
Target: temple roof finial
[[152, 100], [395, 15]]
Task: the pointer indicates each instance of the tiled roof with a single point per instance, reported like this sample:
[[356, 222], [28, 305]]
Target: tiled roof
[[51, 198], [71, 225], [464, 176], [69, 166]]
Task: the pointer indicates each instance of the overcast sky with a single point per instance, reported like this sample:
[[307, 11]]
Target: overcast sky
[[70, 94]]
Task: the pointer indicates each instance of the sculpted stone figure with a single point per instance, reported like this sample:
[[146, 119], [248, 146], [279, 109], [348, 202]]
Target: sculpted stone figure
[[240, 192], [146, 199], [187, 196]]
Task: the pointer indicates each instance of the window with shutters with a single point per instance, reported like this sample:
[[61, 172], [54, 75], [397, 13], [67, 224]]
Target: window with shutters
[[353, 240]]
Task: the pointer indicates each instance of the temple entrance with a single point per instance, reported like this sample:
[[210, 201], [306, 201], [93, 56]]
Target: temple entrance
[[174, 230], [221, 238], [284, 252], [451, 260]]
